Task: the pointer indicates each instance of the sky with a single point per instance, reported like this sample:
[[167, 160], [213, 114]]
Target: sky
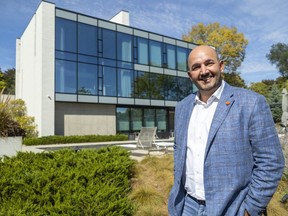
[[263, 23]]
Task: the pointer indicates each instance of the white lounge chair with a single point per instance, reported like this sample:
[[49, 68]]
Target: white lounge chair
[[164, 145], [146, 137], [147, 140]]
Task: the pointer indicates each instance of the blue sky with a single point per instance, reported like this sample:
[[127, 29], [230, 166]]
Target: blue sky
[[263, 22]]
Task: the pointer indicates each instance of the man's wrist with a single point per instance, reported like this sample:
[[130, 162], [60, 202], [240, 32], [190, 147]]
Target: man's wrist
[[246, 213]]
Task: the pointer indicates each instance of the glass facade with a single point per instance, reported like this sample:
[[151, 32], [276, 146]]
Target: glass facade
[[100, 61], [131, 119]]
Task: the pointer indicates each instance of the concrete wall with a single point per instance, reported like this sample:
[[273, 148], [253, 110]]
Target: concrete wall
[[35, 67], [121, 18], [84, 119]]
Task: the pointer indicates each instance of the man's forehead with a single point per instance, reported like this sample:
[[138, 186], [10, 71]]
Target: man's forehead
[[202, 55], [200, 50]]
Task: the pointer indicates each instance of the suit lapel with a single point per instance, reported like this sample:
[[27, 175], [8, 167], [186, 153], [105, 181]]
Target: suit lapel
[[189, 108], [225, 103]]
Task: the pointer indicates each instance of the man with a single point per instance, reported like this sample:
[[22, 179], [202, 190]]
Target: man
[[227, 156]]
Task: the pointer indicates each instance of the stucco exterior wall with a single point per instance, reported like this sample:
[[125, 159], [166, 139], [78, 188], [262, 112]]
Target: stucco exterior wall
[[35, 68], [85, 119]]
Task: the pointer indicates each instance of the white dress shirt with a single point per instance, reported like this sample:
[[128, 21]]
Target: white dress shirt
[[198, 131]]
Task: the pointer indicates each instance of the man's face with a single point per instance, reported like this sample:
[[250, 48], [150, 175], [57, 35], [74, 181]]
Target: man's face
[[205, 69]]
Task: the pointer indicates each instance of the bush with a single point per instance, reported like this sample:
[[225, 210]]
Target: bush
[[73, 139], [8, 124], [27, 123], [67, 182]]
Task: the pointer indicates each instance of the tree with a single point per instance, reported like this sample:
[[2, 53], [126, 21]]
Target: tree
[[9, 77], [228, 42], [282, 82], [234, 79], [7, 81], [260, 88], [268, 82], [2, 81], [275, 101], [278, 55]]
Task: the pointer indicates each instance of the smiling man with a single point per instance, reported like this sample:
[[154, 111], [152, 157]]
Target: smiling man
[[227, 156]]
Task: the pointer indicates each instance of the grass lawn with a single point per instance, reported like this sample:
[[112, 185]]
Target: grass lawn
[[154, 178]]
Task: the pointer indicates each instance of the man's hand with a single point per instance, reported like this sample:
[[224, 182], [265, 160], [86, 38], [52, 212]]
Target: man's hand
[[246, 213]]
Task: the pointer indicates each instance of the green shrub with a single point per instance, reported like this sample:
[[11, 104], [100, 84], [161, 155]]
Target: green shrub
[[8, 124], [67, 182], [73, 139], [27, 123]]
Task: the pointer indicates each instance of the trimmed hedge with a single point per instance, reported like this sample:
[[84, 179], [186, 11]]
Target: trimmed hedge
[[73, 139], [67, 182]]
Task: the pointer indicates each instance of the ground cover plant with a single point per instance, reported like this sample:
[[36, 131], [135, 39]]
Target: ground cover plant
[[73, 139], [67, 182], [154, 179]]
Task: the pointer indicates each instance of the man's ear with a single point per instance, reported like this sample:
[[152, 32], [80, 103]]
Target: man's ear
[[222, 66], [189, 75]]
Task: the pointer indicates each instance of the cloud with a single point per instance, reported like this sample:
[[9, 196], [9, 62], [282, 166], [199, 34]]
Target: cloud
[[258, 76], [263, 22]]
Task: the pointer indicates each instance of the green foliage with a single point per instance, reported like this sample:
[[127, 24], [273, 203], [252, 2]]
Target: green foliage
[[73, 139], [67, 182], [8, 124], [234, 79], [9, 77], [272, 90], [282, 82], [13, 118], [229, 43], [278, 55], [2, 81], [260, 88], [275, 101], [7, 81], [26, 122]]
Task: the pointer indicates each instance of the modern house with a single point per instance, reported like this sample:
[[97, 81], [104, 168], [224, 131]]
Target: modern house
[[83, 75]]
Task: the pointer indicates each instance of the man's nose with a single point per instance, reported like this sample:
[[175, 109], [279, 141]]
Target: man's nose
[[203, 69]]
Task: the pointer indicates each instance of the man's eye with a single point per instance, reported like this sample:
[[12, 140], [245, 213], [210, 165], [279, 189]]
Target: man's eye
[[209, 63], [196, 67]]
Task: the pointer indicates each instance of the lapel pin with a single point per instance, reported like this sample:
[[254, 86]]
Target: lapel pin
[[227, 103]]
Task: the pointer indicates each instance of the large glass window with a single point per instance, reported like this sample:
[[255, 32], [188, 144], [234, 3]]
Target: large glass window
[[149, 117], [65, 55], [125, 82], [109, 44], [142, 85], [142, 50], [155, 53], [182, 58], [123, 119], [161, 119], [109, 81], [81, 49], [87, 39], [132, 119], [171, 56], [157, 83], [185, 87], [124, 47], [65, 35], [136, 119], [171, 88], [65, 76], [87, 79]]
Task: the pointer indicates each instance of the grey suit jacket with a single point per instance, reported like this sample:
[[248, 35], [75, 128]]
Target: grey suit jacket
[[243, 160]]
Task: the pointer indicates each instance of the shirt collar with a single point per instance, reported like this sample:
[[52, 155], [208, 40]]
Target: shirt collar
[[216, 94]]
